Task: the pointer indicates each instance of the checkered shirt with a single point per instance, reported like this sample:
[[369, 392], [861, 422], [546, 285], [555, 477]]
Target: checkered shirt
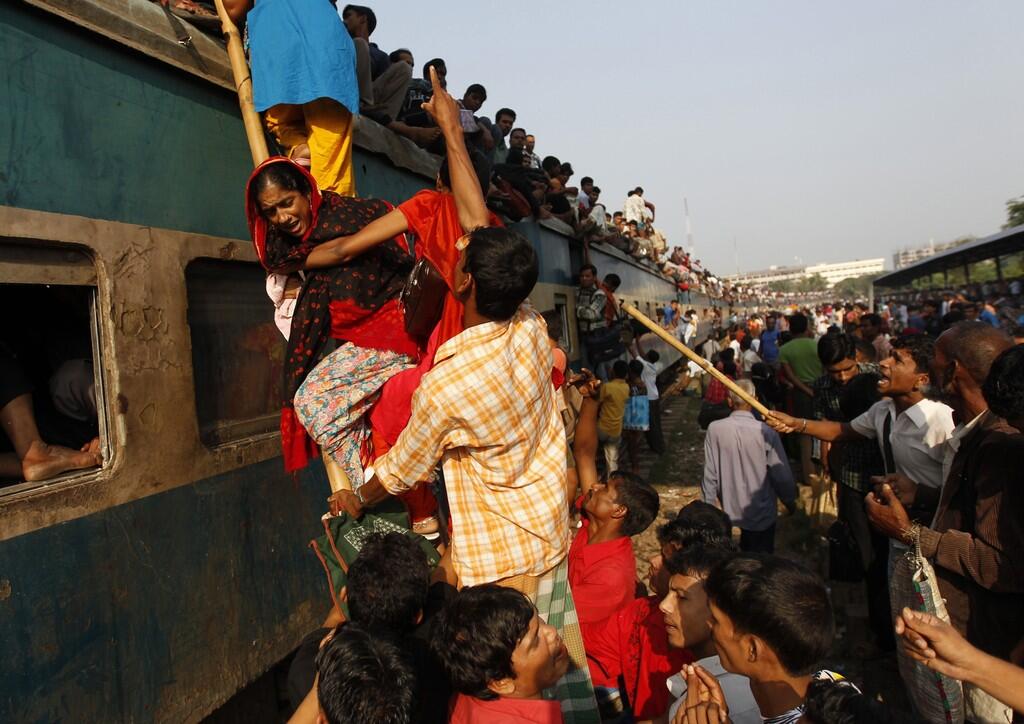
[[859, 459], [487, 411]]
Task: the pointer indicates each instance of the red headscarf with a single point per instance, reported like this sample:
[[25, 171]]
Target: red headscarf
[[258, 225]]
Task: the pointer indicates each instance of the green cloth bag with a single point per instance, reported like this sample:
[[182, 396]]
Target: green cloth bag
[[344, 537]]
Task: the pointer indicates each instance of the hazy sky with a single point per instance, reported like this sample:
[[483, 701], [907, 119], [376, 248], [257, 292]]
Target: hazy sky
[[817, 129]]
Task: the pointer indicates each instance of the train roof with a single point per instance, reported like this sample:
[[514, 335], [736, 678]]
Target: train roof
[[1005, 242], [146, 27]]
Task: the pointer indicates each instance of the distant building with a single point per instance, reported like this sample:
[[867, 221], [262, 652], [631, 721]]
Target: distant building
[[832, 273], [906, 257]]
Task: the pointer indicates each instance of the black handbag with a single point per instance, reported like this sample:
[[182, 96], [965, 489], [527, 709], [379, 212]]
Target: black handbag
[[605, 344], [422, 299]]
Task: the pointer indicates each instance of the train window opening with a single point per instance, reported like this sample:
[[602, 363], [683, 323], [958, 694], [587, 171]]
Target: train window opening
[[237, 351], [562, 307], [51, 385]]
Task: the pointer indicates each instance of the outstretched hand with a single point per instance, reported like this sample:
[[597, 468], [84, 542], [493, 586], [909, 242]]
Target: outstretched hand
[[441, 106], [781, 422], [886, 513], [586, 382], [345, 501], [937, 645]]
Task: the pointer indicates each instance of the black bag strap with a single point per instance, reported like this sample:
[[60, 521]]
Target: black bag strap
[[890, 461]]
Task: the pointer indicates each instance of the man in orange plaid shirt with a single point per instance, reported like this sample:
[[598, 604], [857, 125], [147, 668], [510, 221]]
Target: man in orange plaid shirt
[[487, 411]]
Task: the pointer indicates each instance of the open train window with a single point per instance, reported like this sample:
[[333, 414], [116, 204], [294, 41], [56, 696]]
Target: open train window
[[51, 383], [562, 307], [237, 351]]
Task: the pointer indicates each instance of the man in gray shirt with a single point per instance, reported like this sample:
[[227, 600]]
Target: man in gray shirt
[[745, 469]]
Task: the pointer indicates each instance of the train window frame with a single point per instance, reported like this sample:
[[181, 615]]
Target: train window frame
[[29, 262], [216, 434], [561, 304]]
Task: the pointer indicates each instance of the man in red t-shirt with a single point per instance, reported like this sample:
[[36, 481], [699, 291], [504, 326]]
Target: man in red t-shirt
[[602, 568], [499, 656]]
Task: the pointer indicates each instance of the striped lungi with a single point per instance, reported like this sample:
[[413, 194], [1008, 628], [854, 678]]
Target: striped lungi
[[551, 595]]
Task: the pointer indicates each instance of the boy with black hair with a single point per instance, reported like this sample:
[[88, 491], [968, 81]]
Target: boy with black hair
[[388, 584], [697, 523], [500, 656], [391, 594], [685, 610], [602, 567], [771, 621], [362, 679]]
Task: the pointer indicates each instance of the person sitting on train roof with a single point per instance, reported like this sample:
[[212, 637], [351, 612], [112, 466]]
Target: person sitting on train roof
[[602, 568], [487, 412], [500, 656], [383, 84], [308, 99], [419, 91], [362, 678], [391, 593]]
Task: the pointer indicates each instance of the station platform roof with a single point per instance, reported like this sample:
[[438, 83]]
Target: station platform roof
[[1006, 241]]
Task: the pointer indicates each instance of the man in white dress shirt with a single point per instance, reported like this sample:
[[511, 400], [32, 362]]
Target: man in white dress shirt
[[911, 430]]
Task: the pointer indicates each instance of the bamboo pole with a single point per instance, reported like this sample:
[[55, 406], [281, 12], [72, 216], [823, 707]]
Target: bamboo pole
[[695, 358], [258, 148], [243, 84]]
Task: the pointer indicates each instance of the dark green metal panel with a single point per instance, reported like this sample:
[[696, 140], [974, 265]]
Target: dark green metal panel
[[112, 614], [376, 177]]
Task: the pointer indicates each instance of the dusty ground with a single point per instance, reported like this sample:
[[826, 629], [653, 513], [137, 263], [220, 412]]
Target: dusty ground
[[677, 477]]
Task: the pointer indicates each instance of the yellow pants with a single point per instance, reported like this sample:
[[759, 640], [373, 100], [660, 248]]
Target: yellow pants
[[326, 126]]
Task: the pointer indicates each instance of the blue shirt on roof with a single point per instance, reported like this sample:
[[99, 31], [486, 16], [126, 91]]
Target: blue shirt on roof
[[299, 51]]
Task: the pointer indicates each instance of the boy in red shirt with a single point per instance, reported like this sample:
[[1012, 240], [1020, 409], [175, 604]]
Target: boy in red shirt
[[499, 656], [602, 568]]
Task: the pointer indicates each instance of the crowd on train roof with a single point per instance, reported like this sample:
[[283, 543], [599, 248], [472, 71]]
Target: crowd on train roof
[[508, 589]]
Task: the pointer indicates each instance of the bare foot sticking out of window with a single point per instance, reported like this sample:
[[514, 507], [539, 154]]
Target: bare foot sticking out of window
[[44, 461]]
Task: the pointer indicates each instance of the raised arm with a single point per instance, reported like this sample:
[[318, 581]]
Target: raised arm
[[345, 248], [584, 448], [822, 429], [469, 199]]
